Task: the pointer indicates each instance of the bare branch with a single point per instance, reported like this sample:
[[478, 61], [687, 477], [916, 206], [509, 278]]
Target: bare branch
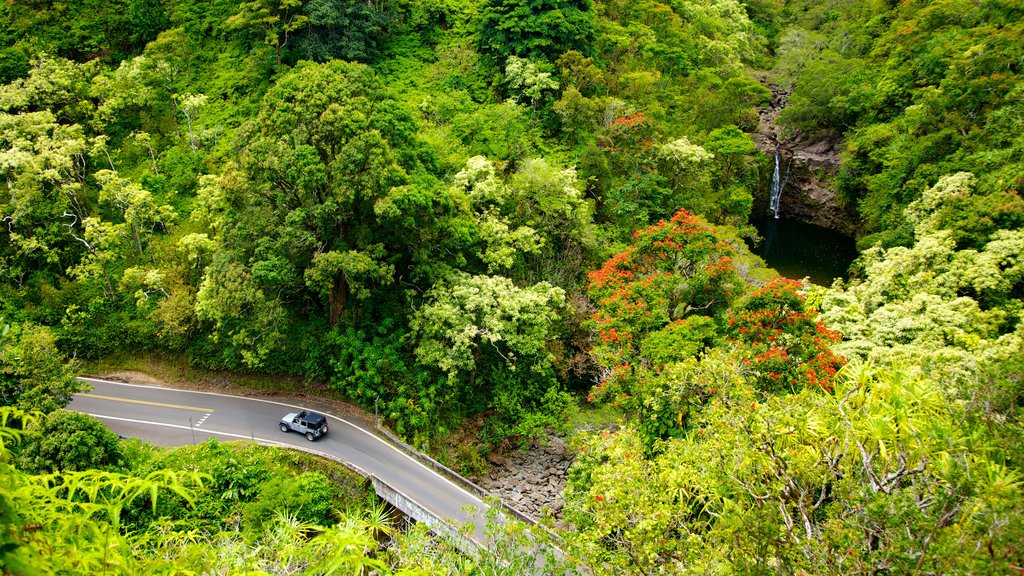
[[71, 228]]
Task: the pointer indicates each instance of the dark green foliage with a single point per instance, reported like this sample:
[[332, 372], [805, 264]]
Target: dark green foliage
[[536, 29], [65, 441], [344, 29], [375, 368], [524, 409], [101, 327], [14, 63], [329, 143], [363, 367], [248, 484], [145, 19]]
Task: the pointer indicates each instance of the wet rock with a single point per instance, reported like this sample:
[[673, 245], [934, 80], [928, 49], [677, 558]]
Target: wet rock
[[812, 164]]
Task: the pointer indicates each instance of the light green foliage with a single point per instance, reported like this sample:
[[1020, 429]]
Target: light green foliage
[[695, 34], [146, 283], [504, 245], [931, 301], [501, 131], [189, 106], [724, 33], [227, 292], [490, 338], [684, 338], [526, 79], [730, 147], [682, 155], [534, 224], [52, 83], [864, 477], [513, 548], [110, 244], [576, 113], [34, 376], [688, 172], [197, 248], [134, 86], [357, 268], [140, 212], [478, 316], [69, 522], [41, 162], [830, 79]]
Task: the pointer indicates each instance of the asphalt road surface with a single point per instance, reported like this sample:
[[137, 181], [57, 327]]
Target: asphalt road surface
[[169, 417]]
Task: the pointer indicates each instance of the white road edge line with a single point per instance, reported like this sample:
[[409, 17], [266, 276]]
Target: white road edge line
[[266, 441], [359, 428], [181, 427]]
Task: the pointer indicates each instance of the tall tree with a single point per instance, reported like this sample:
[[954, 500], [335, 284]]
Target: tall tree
[[277, 20], [536, 29], [298, 219], [345, 29]]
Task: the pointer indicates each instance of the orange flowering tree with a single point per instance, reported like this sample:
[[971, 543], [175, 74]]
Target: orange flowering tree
[[630, 141], [781, 341], [660, 294]]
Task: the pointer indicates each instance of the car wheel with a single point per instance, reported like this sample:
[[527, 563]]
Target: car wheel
[[309, 436], [323, 430], [284, 427]]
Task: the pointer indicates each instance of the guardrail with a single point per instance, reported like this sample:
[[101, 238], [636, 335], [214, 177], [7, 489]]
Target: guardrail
[[401, 501], [411, 508], [459, 479]]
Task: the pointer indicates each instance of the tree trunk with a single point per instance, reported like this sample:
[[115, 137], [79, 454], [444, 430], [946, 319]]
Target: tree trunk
[[338, 298]]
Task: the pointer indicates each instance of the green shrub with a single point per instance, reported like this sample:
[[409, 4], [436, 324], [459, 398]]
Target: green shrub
[[66, 441], [308, 497]]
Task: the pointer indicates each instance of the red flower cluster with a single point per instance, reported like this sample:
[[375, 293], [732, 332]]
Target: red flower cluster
[[782, 342]]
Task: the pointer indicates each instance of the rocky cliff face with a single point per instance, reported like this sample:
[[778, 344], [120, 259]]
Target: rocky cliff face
[[811, 163]]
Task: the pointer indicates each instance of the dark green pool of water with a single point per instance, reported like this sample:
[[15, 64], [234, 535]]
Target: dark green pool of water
[[797, 249]]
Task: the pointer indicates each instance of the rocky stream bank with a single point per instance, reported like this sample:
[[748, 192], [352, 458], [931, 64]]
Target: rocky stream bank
[[530, 480]]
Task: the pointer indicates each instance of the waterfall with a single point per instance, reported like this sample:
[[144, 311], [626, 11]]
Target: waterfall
[[778, 183]]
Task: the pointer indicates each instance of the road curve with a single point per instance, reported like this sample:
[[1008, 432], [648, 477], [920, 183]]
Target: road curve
[[171, 417]]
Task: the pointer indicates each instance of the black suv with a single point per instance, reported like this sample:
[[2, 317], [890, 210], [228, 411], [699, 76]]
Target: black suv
[[312, 424]]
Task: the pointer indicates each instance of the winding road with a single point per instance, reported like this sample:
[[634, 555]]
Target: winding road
[[171, 417]]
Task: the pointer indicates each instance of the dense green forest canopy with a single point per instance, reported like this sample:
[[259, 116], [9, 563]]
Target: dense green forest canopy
[[501, 213]]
